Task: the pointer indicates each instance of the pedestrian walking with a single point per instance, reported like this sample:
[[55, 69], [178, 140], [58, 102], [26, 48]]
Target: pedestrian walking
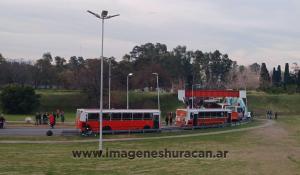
[[54, 114], [51, 120], [268, 114]]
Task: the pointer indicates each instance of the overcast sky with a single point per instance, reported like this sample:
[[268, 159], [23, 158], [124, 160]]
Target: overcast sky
[[248, 30]]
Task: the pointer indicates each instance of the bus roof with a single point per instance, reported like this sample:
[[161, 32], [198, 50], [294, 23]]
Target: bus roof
[[206, 110], [120, 110]]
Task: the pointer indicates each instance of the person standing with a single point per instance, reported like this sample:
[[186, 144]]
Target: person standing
[[57, 113], [62, 116], [171, 118], [51, 120], [275, 115], [40, 118], [2, 121], [45, 118], [36, 118], [167, 120]]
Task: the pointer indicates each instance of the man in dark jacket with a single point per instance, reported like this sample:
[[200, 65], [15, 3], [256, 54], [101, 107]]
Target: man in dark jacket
[[2, 121]]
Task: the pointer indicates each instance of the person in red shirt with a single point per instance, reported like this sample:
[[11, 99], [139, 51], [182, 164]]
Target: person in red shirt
[[51, 120]]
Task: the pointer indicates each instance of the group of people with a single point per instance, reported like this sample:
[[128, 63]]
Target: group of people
[[270, 115], [169, 118], [2, 121], [49, 118]]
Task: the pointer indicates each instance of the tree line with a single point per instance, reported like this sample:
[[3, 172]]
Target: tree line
[[177, 68], [278, 81]]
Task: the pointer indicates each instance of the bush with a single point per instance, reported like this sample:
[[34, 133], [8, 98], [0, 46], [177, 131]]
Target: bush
[[18, 100]]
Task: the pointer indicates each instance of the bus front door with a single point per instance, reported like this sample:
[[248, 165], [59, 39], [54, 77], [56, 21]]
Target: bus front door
[[195, 120], [156, 122]]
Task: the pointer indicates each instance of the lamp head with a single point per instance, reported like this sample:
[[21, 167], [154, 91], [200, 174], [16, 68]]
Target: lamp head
[[104, 13]]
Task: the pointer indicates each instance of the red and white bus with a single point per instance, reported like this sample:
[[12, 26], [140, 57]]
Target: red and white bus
[[118, 119], [202, 117]]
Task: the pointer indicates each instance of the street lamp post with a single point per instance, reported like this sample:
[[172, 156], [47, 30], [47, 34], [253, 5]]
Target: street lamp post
[[104, 15], [129, 75], [109, 81], [192, 96], [158, 102]]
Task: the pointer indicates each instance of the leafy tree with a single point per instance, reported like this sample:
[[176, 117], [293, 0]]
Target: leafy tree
[[47, 56], [44, 72], [255, 67], [19, 100], [274, 77], [279, 79], [286, 77], [264, 77], [298, 79], [2, 59], [59, 63]]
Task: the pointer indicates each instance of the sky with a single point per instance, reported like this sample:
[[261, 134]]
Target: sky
[[247, 30]]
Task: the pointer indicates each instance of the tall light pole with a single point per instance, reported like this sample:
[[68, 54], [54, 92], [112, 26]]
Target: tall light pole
[[193, 92], [192, 96], [129, 75], [109, 81], [158, 103], [104, 15]]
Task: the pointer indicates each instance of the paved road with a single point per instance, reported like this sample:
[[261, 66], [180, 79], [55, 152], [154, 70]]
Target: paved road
[[32, 131], [266, 124]]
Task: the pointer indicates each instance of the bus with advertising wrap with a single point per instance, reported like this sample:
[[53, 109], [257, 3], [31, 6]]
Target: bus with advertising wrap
[[202, 117]]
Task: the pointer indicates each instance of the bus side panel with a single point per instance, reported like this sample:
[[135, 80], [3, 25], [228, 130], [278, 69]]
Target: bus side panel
[[94, 126], [208, 121], [128, 124]]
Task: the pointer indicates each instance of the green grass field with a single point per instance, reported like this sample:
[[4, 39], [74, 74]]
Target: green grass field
[[272, 150], [287, 104]]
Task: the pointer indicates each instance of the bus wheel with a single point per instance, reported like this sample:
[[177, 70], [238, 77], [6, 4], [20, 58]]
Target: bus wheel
[[146, 127], [106, 128]]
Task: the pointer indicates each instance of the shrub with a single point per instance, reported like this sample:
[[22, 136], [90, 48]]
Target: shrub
[[18, 100]]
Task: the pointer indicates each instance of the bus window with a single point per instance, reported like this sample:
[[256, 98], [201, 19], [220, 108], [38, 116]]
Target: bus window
[[201, 115], [239, 110], [213, 114], [137, 116], [221, 114], [148, 116], [196, 115], [206, 114], [106, 116], [93, 116], [127, 116], [191, 116], [116, 116]]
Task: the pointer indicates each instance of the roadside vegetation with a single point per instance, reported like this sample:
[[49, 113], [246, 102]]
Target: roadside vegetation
[[70, 100]]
